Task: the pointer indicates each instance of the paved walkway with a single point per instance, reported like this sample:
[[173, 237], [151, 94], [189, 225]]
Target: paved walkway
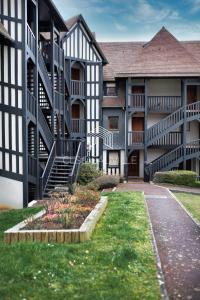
[[177, 238]]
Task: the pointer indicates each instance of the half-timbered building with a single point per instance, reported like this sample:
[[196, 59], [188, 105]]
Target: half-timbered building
[[131, 108], [152, 106]]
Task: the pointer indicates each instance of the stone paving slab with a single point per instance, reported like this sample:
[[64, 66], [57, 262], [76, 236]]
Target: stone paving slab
[[178, 241]]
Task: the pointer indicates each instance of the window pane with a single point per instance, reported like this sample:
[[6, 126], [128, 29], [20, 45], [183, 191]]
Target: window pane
[[113, 123]]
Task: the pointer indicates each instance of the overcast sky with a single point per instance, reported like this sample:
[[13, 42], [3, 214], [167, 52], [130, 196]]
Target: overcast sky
[[132, 20]]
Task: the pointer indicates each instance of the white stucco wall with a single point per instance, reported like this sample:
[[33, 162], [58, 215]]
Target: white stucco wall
[[154, 154], [11, 194], [164, 87], [122, 161]]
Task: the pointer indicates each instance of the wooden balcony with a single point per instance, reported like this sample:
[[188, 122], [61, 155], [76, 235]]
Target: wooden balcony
[[164, 104], [157, 104], [46, 50], [78, 88], [78, 126], [136, 138], [136, 101]]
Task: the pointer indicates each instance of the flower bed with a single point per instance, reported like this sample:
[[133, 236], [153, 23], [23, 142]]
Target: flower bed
[[60, 214]]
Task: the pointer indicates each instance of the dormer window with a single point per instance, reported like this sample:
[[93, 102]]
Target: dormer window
[[110, 89]]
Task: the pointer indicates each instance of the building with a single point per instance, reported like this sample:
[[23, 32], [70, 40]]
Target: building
[[50, 79], [53, 115], [151, 105]]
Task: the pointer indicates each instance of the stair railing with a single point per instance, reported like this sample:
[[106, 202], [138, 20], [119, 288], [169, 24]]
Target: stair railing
[[45, 75], [173, 120], [77, 162], [48, 137], [173, 157], [46, 172]]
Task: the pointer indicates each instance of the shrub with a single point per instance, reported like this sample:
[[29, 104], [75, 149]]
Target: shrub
[[94, 186], [88, 172], [85, 196], [176, 177], [107, 181]]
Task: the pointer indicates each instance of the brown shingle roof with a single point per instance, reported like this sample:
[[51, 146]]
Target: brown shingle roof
[[164, 55]]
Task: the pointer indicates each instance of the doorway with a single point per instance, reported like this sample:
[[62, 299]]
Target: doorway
[[191, 94], [138, 130], [138, 89], [134, 164]]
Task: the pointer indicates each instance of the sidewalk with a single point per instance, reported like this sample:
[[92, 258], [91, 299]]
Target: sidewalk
[[177, 238]]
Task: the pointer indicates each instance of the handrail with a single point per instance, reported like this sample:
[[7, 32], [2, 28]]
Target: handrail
[[78, 158], [173, 120], [176, 155], [44, 177]]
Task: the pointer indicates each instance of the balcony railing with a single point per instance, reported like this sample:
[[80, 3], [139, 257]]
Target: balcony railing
[[166, 104], [78, 88], [31, 40], [135, 138], [136, 101], [59, 101], [78, 126]]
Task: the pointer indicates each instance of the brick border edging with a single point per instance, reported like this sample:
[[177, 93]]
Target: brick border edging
[[82, 234], [160, 274]]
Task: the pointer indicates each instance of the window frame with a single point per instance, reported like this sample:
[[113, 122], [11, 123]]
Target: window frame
[[109, 127]]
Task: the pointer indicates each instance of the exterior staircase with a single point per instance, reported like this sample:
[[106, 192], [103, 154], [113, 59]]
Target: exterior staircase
[[173, 158], [188, 113], [63, 165], [59, 174]]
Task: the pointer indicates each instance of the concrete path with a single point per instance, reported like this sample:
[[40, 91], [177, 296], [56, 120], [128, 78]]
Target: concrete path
[[177, 238]]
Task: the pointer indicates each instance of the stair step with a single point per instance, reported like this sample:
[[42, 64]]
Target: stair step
[[57, 181], [52, 177], [55, 173]]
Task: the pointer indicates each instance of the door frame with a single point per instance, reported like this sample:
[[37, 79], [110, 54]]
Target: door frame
[[131, 154]]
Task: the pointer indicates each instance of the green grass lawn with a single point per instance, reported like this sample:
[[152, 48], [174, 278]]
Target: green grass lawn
[[118, 263], [191, 203]]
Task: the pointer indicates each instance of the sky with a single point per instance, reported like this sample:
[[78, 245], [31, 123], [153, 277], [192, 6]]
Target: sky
[[135, 20]]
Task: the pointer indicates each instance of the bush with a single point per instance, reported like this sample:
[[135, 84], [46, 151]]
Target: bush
[[88, 172], [93, 186], [84, 196], [106, 182], [176, 177]]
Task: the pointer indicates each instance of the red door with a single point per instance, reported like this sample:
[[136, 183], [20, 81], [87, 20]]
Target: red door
[[137, 128], [133, 164]]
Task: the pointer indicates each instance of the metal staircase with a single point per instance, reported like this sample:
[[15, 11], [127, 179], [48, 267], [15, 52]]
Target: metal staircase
[[173, 158], [59, 174], [184, 114], [45, 77], [104, 134], [44, 129], [63, 165]]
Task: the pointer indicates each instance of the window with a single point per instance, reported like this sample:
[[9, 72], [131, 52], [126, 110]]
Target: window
[[110, 89], [113, 158], [113, 123]]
